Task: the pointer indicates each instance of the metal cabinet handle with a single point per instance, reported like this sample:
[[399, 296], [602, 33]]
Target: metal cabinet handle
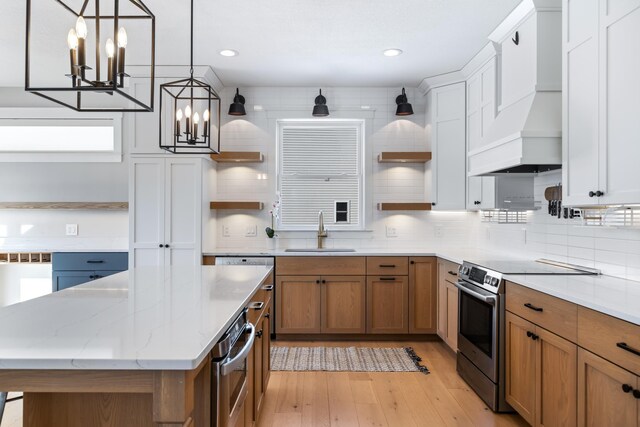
[[453, 273], [92, 277], [532, 307], [624, 346], [95, 261], [268, 288], [256, 305], [388, 278], [387, 266], [259, 333], [233, 364], [267, 315]]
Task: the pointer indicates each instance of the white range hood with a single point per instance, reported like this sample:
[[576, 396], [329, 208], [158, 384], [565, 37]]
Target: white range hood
[[526, 135]]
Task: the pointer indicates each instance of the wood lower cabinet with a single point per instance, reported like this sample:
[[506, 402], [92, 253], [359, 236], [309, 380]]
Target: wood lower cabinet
[[606, 393], [520, 359], [541, 374], [259, 361], [387, 305], [423, 309], [343, 304], [299, 306], [447, 310]]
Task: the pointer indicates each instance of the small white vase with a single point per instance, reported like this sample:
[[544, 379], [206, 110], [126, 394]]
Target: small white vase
[[271, 242]]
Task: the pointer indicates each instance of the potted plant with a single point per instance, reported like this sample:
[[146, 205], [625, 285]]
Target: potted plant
[[271, 231]]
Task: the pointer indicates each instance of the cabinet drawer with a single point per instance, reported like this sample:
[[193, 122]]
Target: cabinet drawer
[[312, 266], [385, 265], [553, 314], [79, 261], [448, 271], [258, 304], [611, 338]]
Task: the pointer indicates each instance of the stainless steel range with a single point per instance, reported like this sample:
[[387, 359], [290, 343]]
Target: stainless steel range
[[481, 312]]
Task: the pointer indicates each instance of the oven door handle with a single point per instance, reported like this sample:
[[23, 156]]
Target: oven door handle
[[231, 365], [484, 298]]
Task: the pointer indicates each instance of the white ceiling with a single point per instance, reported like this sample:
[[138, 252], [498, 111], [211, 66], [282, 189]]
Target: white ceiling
[[302, 42]]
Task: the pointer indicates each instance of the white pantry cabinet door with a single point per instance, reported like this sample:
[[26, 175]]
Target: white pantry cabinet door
[[580, 102], [183, 210], [448, 164], [146, 211], [620, 101]]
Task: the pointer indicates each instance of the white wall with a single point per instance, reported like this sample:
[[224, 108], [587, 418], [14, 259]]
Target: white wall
[[386, 182], [60, 182], [616, 251]]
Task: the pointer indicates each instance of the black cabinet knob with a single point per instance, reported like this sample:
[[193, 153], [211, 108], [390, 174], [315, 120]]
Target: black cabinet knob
[[529, 334], [412, 262], [592, 194], [267, 315], [324, 281], [599, 193], [259, 333], [627, 388], [166, 246], [317, 282], [161, 245], [636, 394]]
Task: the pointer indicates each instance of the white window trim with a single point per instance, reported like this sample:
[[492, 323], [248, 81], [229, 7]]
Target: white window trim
[[360, 123], [71, 156]]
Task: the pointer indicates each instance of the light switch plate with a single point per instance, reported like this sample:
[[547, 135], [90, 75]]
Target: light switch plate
[[438, 231], [226, 232], [72, 229], [392, 231], [251, 231]]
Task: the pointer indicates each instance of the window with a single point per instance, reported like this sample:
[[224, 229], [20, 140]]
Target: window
[[320, 168], [50, 135]]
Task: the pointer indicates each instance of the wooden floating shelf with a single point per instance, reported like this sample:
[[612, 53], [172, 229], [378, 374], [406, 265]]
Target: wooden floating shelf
[[66, 205], [238, 157], [237, 205], [26, 257], [404, 157], [409, 206]]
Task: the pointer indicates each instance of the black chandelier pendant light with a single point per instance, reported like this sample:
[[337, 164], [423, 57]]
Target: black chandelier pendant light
[[237, 107], [320, 109], [189, 114], [403, 106], [95, 79]]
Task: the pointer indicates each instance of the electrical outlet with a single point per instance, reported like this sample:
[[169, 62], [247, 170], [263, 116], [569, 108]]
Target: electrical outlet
[[438, 231], [392, 231], [251, 231], [226, 232], [72, 229], [524, 235]]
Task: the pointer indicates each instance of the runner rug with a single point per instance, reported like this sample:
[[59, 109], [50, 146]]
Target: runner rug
[[351, 359]]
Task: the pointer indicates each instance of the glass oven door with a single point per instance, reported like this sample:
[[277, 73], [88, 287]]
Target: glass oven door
[[233, 378], [477, 327]]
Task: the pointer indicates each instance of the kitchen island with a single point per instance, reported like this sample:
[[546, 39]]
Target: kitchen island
[[127, 350]]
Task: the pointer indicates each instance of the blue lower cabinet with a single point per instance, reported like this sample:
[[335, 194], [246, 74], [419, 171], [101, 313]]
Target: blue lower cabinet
[[75, 268]]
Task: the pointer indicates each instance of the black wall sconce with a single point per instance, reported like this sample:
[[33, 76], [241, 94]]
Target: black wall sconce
[[404, 108], [320, 109], [237, 107]]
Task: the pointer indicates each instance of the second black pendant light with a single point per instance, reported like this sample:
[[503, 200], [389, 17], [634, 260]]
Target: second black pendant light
[[237, 107], [320, 109], [404, 108]]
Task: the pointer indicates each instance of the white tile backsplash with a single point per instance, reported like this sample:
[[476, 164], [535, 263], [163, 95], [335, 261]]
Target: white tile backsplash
[[615, 251]]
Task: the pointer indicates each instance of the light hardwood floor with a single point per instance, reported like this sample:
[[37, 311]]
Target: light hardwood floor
[[358, 399], [394, 399]]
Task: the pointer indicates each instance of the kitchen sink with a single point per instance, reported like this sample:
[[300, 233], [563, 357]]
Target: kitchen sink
[[320, 250]]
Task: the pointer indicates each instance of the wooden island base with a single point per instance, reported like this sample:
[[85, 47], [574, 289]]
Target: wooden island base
[[101, 398]]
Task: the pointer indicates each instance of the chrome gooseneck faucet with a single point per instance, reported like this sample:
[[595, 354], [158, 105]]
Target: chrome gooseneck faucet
[[322, 233]]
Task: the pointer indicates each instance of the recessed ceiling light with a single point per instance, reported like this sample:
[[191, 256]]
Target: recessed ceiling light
[[228, 52], [392, 52]]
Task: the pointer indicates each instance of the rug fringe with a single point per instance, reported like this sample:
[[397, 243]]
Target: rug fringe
[[416, 360]]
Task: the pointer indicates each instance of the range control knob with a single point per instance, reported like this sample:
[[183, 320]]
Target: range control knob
[[494, 281], [487, 279]]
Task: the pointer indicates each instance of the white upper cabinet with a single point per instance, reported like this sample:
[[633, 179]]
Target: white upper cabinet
[[481, 112], [446, 114], [601, 101]]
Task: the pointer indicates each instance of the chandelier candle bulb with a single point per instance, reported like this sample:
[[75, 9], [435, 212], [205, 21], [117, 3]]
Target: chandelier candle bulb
[[122, 44], [81, 32], [72, 42], [178, 119], [196, 119], [205, 117], [187, 115], [110, 48]]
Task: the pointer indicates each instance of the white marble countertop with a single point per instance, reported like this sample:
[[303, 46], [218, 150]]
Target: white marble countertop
[[610, 295], [144, 318]]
